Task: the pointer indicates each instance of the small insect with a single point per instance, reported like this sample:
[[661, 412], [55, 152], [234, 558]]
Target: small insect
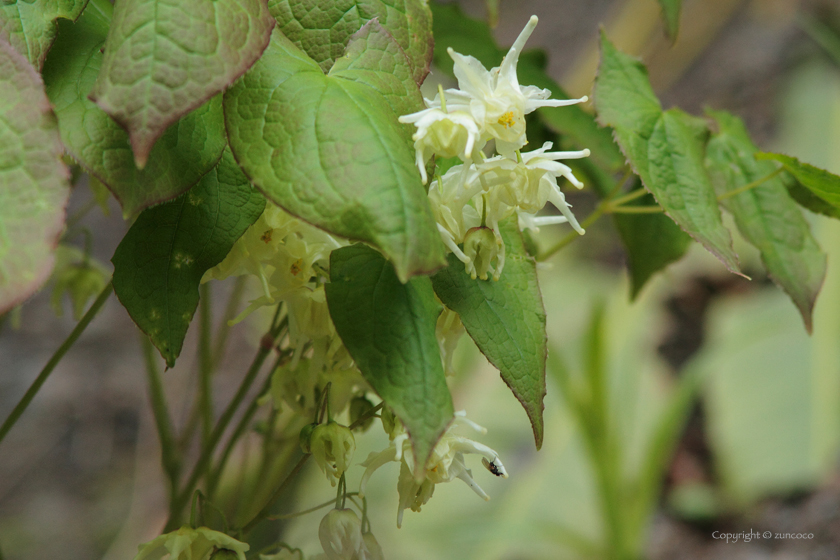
[[495, 467]]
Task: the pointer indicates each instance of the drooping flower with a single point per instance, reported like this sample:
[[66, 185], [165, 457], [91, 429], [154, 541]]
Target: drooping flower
[[332, 446], [445, 134], [341, 537], [445, 464], [190, 544]]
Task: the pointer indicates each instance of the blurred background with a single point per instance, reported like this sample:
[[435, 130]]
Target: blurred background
[[755, 430]]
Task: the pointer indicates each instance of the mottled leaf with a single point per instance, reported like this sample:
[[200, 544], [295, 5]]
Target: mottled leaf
[[164, 58], [665, 149], [29, 25], [187, 150], [33, 180], [506, 319], [331, 151], [472, 37], [819, 181], [159, 263], [766, 216], [389, 329], [322, 28], [671, 17], [652, 242]]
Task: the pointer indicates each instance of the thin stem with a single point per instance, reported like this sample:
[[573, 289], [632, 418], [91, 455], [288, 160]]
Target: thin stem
[[590, 219], [638, 193], [166, 435], [244, 422], [310, 510], [634, 210], [749, 186], [263, 513], [205, 363], [266, 346], [56, 357], [369, 413], [223, 330]]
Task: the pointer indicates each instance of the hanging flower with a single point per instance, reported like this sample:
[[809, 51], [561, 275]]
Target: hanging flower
[[332, 446], [445, 464], [341, 537], [190, 544]]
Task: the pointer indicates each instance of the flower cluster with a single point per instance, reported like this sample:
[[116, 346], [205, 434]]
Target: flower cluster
[[471, 199], [192, 544], [290, 258], [445, 464]]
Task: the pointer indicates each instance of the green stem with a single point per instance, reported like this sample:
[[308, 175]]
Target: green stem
[[266, 346], [590, 219], [634, 210], [749, 186], [205, 363], [220, 340], [168, 446], [56, 357], [244, 422], [638, 193], [264, 512], [310, 510]]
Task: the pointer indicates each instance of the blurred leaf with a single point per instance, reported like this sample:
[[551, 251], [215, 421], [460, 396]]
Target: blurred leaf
[[33, 180], [322, 29], [806, 199], [285, 119], [766, 216], [671, 17], [79, 276], [29, 26], [823, 34], [163, 60], [187, 150], [389, 329], [468, 36], [492, 12], [652, 242], [823, 184], [506, 320], [159, 264]]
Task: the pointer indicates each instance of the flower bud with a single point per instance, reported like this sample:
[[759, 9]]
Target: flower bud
[[340, 534], [306, 437], [483, 246], [390, 423], [374, 551], [187, 543], [332, 446], [360, 406]]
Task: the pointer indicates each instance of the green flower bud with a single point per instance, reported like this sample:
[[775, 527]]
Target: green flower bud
[[360, 406], [306, 438], [483, 246], [332, 446]]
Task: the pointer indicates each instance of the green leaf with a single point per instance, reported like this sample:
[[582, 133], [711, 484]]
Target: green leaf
[[33, 180], [389, 329], [506, 319], [679, 182], [671, 17], [469, 36], [652, 242], [322, 28], [159, 263], [766, 216], [29, 25], [823, 184], [331, 151], [810, 201], [187, 150], [162, 60], [375, 59], [665, 149]]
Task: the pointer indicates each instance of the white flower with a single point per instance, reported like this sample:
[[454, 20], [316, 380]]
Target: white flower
[[341, 537], [496, 100], [443, 134], [484, 246], [190, 544], [532, 182], [445, 464]]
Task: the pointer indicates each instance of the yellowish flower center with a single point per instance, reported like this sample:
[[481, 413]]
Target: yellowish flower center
[[507, 119]]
